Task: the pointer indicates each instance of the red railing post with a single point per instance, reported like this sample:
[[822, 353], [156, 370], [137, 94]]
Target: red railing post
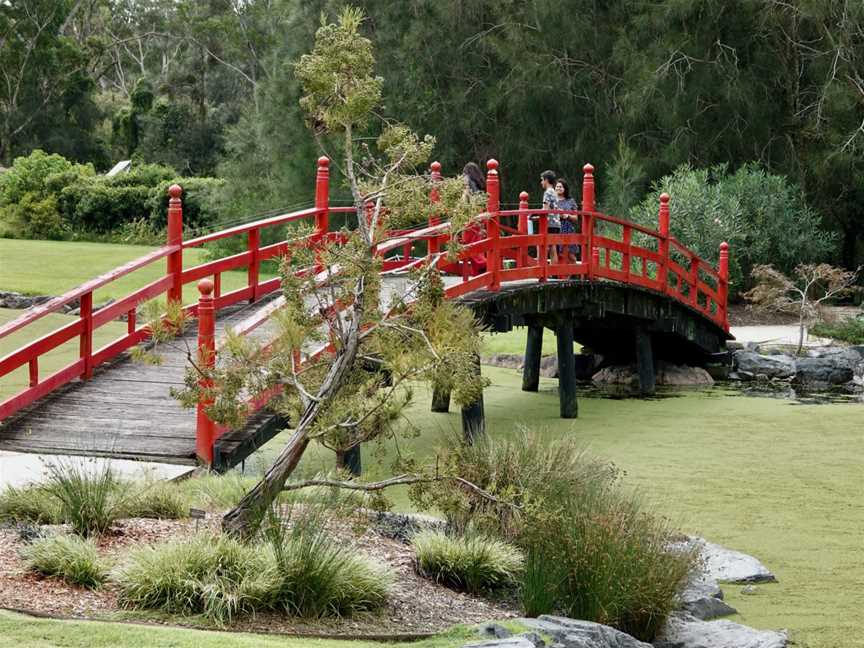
[[434, 197], [85, 346], [493, 191], [588, 218], [253, 244], [175, 237], [523, 227], [694, 281], [663, 243], [625, 258], [205, 429], [33, 367], [723, 283], [543, 248], [322, 196]]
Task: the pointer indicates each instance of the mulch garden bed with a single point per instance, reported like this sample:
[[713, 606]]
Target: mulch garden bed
[[416, 606]]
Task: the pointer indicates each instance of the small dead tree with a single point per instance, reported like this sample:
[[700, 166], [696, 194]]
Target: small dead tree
[[332, 397], [811, 285]]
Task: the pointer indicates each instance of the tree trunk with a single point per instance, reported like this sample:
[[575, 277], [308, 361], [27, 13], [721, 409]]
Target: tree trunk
[[244, 519]]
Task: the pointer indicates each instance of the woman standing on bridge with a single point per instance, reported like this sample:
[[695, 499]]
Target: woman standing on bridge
[[570, 223]]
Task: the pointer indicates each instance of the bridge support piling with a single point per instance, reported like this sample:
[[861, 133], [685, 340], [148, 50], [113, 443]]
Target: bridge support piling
[[566, 371], [350, 460], [533, 354], [440, 399], [473, 415], [645, 362]]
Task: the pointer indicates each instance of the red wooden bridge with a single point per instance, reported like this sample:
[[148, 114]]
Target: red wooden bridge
[[639, 294]]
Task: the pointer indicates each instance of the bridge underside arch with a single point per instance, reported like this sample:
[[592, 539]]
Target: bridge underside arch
[[604, 316]]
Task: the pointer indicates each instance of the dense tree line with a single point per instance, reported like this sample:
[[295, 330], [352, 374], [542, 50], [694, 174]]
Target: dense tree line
[[638, 88]]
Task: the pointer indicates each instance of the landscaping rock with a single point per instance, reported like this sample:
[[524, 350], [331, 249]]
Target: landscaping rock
[[831, 370], [505, 360], [534, 638], [549, 366], [11, 299], [667, 374], [727, 565], [773, 366], [510, 642], [574, 633], [703, 598], [494, 631], [403, 526], [685, 631]]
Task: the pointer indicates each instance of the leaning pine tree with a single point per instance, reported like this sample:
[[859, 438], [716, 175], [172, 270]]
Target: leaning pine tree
[[357, 388]]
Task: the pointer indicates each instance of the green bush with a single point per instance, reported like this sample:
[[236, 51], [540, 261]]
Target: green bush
[[763, 217], [593, 551], [90, 500], [96, 205], [72, 558], [197, 193], [30, 504], [848, 330], [472, 562]]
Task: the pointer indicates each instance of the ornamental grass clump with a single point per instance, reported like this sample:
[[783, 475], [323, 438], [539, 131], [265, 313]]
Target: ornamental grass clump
[[208, 574], [88, 494], [29, 504], [316, 575], [158, 500], [593, 550], [72, 558], [474, 562]]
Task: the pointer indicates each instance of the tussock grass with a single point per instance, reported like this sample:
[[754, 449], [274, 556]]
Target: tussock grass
[[30, 504], [474, 562], [90, 500], [72, 558], [159, 500], [299, 568]]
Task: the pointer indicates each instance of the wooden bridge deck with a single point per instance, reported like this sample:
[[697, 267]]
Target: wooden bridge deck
[[124, 411]]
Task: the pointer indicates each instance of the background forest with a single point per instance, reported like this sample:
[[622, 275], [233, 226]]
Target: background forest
[[207, 88]]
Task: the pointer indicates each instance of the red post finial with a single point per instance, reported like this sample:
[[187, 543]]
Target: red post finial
[[588, 187], [175, 237], [205, 287], [523, 213], [493, 188], [322, 195], [435, 167], [663, 214], [724, 260], [435, 175], [205, 430]]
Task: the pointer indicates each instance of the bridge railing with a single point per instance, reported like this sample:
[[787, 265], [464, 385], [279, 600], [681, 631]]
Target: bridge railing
[[496, 248]]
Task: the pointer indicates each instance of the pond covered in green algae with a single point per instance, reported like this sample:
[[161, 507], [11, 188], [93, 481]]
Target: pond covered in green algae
[[779, 478]]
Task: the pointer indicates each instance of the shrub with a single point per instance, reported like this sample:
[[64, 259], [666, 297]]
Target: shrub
[[196, 196], [216, 576], [593, 550], [159, 500], [71, 558], [30, 504], [216, 492], [763, 217], [89, 500], [848, 330], [473, 562]]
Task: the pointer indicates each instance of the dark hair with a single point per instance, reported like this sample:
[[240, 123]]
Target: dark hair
[[548, 176], [474, 176], [566, 187]]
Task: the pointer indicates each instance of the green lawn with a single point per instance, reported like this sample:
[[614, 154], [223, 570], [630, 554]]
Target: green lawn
[[27, 632], [768, 477], [53, 267]]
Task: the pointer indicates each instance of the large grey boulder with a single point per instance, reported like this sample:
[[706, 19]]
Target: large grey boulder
[[773, 366], [730, 566], [831, 370], [703, 598], [685, 631], [574, 633], [668, 374]]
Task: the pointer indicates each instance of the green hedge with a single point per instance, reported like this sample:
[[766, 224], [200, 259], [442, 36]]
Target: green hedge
[[46, 196]]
